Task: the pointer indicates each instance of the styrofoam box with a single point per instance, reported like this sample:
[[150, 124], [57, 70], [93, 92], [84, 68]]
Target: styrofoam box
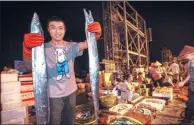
[[9, 97], [9, 77], [27, 88], [18, 121], [7, 87], [27, 95], [29, 102], [13, 114], [11, 105], [25, 79]]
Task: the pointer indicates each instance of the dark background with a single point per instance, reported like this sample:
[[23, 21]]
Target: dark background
[[172, 25]]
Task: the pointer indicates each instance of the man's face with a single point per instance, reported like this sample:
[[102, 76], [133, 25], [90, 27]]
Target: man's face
[[56, 30]]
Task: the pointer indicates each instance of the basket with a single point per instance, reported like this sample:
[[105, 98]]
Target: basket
[[108, 101], [84, 114], [120, 119]]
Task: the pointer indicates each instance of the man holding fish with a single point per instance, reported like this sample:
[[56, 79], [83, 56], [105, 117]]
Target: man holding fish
[[60, 56]]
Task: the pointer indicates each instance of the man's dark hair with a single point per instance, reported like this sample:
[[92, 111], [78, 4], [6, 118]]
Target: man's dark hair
[[55, 18]]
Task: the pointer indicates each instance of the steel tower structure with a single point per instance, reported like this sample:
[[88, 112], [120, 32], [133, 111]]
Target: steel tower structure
[[125, 35]]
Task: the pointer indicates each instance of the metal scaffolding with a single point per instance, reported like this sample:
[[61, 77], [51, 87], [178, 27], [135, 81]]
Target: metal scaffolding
[[125, 35]]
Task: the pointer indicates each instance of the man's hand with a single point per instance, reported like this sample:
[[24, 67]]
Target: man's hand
[[95, 28], [31, 40], [181, 84]]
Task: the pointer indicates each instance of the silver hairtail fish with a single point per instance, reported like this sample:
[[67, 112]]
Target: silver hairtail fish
[[40, 77], [93, 62]]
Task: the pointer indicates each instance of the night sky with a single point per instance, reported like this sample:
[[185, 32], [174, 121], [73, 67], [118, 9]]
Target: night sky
[[172, 25]]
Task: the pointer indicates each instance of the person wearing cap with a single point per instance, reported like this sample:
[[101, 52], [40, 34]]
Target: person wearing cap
[[188, 53]]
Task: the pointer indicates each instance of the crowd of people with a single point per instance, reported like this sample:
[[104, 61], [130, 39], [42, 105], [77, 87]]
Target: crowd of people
[[173, 74], [152, 76]]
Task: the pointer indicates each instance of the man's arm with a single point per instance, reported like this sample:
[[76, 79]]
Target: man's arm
[[83, 46], [188, 76], [184, 81]]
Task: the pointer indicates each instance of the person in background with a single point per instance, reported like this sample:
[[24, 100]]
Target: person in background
[[174, 67], [144, 82], [188, 53], [60, 56], [140, 78], [157, 73], [131, 88], [117, 83], [127, 89], [168, 80]]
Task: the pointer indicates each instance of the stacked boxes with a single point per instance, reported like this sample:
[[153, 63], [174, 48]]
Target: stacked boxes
[[26, 80], [27, 95], [27, 92], [13, 111]]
